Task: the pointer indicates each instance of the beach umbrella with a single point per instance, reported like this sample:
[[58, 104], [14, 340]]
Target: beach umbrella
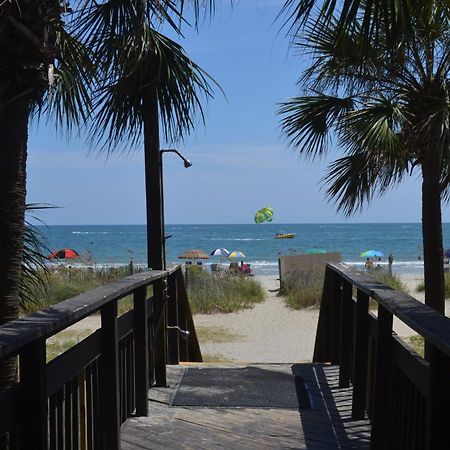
[[314, 251], [236, 254], [194, 254], [220, 252], [64, 253], [372, 254]]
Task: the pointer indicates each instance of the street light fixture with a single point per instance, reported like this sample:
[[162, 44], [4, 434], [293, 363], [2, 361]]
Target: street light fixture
[[187, 164]]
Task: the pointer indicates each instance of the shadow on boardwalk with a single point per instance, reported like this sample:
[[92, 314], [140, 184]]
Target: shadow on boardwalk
[[326, 425]]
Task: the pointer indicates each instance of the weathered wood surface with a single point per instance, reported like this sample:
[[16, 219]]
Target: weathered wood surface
[[327, 425]]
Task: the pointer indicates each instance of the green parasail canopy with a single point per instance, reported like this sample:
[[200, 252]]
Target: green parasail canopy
[[264, 215]]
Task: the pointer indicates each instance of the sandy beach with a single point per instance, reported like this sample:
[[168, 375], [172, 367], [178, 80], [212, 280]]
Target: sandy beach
[[272, 332]]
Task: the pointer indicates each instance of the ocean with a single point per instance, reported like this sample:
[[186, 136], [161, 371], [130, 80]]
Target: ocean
[[109, 245]]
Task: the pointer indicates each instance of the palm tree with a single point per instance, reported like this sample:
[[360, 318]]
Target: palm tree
[[50, 63], [387, 111]]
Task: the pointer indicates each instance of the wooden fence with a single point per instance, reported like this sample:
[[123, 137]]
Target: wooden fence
[[80, 399], [406, 397]]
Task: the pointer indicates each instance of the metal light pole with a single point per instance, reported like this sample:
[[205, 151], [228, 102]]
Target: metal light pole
[[187, 164]]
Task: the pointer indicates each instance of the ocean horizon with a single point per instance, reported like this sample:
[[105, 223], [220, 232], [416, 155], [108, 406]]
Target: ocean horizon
[[113, 245]]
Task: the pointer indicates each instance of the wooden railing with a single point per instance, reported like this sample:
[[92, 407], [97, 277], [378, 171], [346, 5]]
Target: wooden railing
[[80, 399], [406, 398]]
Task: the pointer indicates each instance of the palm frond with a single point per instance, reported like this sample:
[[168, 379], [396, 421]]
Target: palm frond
[[308, 121], [69, 96], [375, 127], [180, 83], [394, 17], [35, 273]]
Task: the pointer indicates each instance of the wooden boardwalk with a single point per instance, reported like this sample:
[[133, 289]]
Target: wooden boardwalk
[[326, 425]]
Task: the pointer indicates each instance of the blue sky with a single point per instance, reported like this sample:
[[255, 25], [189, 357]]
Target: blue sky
[[240, 162]]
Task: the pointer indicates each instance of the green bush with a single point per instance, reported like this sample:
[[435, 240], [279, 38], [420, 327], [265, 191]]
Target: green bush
[[210, 293], [304, 288]]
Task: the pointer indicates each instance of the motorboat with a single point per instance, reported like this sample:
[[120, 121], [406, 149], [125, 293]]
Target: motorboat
[[284, 235]]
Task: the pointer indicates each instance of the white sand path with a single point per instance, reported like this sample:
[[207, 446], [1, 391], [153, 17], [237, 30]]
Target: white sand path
[[269, 332]]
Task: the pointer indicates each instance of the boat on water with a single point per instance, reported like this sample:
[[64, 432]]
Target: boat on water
[[284, 235]]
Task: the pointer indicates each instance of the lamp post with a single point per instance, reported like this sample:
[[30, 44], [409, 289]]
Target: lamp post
[[187, 164]]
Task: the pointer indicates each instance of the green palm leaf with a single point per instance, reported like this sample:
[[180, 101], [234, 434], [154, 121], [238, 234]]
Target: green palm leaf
[[308, 121]]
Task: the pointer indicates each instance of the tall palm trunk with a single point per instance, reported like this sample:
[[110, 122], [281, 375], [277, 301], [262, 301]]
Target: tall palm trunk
[[432, 235], [13, 142]]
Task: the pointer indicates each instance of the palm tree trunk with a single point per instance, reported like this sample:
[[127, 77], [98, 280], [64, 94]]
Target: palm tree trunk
[[432, 236], [13, 139]]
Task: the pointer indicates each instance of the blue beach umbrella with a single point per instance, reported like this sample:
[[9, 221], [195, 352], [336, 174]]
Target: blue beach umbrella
[[372, 254]]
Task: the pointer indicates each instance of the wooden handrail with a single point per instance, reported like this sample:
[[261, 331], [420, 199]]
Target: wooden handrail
[[49, 321], [406, 397], [86, 393], [427, 322]]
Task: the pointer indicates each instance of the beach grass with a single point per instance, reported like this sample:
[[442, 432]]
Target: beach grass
[[304, 288], [391, 280], [63, 341], [210, 293], [216, 335], [421, 286], [66, 282], [417, 343]]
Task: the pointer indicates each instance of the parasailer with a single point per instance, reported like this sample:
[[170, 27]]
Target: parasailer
[[264, 215]]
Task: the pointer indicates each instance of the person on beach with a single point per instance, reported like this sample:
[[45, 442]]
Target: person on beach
[[369, 265], [390, 261]]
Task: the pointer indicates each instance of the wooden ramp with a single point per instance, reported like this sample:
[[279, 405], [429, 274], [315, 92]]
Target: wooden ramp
[[326, 424]]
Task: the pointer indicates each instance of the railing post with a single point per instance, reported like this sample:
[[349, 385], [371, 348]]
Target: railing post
[[33, 380], [109, 378], [382, 383], [439, 403], [159, 343], [173, 343], [182, 322], [361, 355], [336, 307], [346, 344], [141, 344]]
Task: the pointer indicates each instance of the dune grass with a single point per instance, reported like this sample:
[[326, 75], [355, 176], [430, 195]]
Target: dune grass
[[391, 280], [421, 286], [67, 282], [304, 288], [210, 293], [216, 335]]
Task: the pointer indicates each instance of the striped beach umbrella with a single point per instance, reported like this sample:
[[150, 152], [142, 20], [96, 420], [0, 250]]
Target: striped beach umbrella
[[236, 254], [220, 252]]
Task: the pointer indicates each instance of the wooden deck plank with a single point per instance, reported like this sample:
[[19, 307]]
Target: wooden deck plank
[[327, 425]]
